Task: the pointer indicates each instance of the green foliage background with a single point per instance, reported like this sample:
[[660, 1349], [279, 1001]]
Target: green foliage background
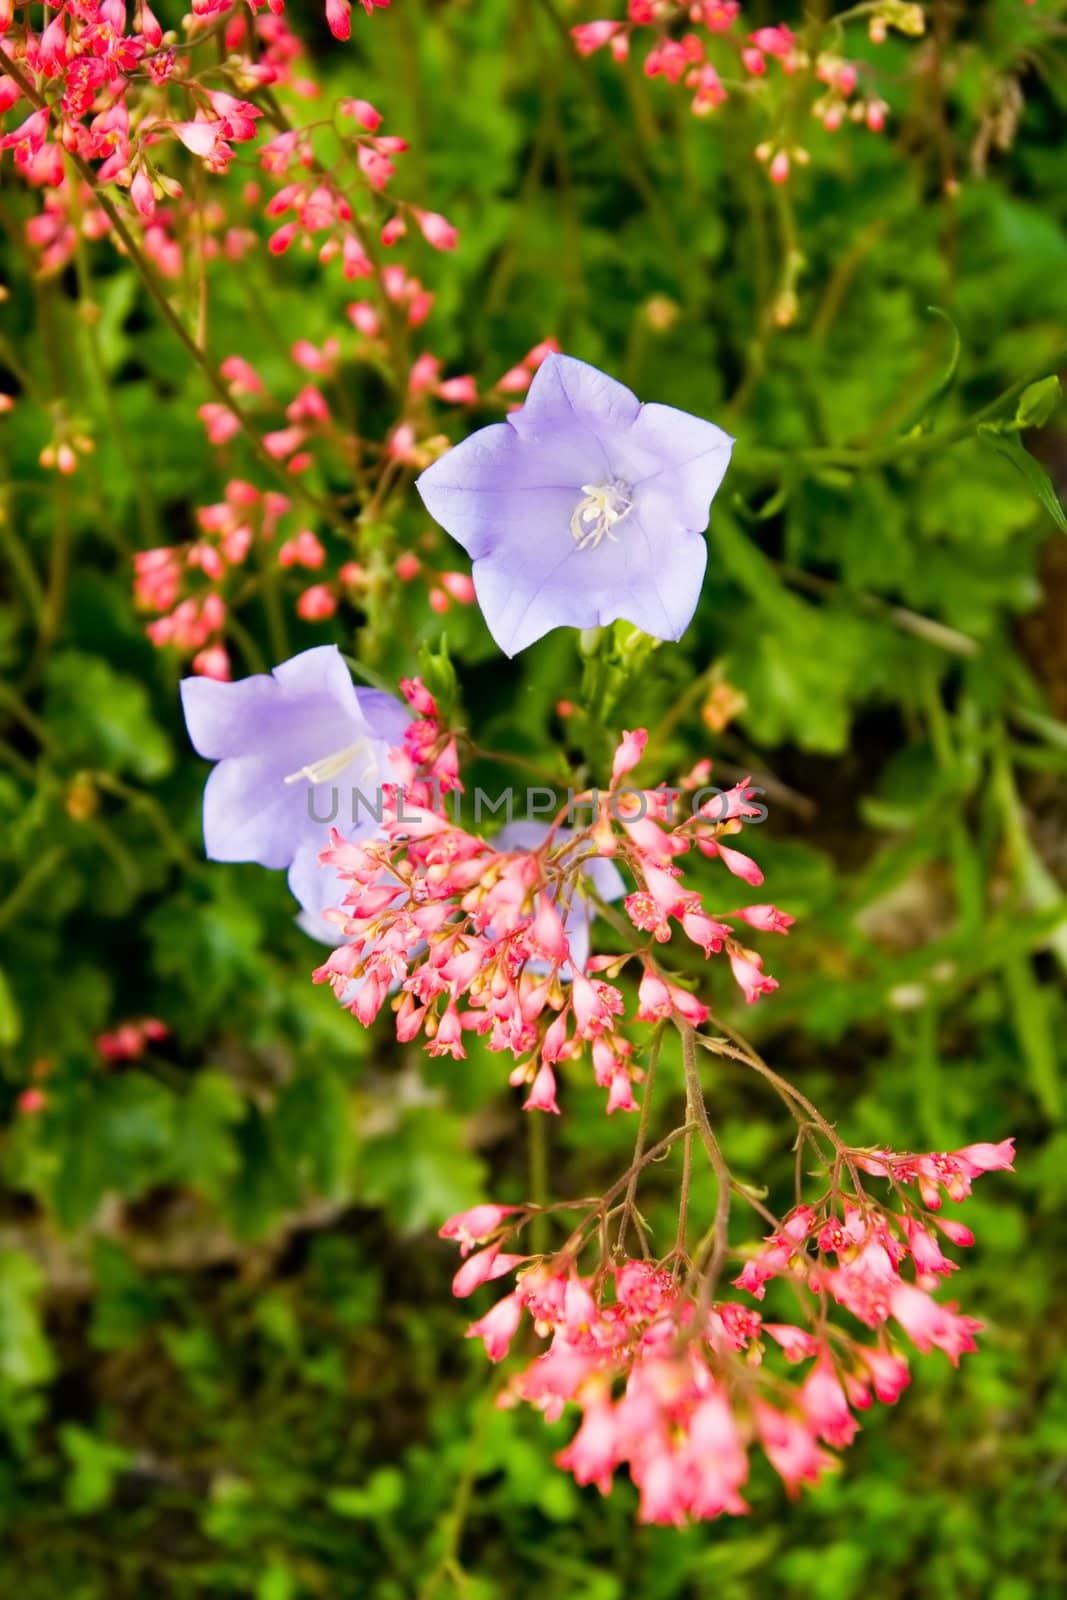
[[229, 1360]]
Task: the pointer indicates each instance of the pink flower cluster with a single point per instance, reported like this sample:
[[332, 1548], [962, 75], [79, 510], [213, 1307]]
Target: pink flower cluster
[[317, 205], [474, 938], [130, 1040], [192, 587], [716, 57], [105, 112], [103, 84], [678, 1387], [854, 1251]]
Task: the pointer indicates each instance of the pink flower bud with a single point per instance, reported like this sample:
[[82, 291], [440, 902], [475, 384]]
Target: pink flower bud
[[542, 1096], [498, 1327], [315, 604], [928, 1324], [955, 1232], [620, 1094], [790, 1446], [628, 754], [688, 1007], [363, 113], [282, 238], [546, 932], [339, 18], [588, 37], [213, 662], [748, 973], [889, 1374], [460, 586], [364, 318], [779, 167], [143, 194], [437, 230], [515, 381], [978, 1158], [242, 375], [653, 998], [925, 1250], [471, 1227], [483, 1268], [219, 421], [767, 919], [796, 1344], [705, 932], [825, 1405], [459, 391]]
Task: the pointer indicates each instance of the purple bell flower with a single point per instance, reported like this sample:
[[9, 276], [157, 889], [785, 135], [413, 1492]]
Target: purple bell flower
[[582, 507], [272, 737]]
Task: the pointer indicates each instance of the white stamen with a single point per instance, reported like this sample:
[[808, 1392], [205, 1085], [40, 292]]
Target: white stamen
[[333, 765], [596, 514]]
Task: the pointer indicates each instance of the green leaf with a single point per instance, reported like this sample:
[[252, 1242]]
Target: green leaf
[[1037, 479], [10, 1021], [922, 418], [94, 1466], [116, 296], [422, 1172], [112, 1135], [439, 676], [381, 1494], [1038, 402], [100, 718], [25, 1354], [1030, 1009], [276, 1582], [126, 1304], [313, 1129], [263, 1189], [203, 1149]]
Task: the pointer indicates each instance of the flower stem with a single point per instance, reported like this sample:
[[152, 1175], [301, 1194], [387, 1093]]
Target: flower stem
[[642, 1136], [148, 276], [697, 1111], [537, 1168]]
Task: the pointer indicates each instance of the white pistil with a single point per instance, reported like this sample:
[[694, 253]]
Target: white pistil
[[602, 506], [333, 765]]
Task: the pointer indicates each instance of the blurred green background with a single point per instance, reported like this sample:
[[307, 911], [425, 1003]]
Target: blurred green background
[[230, 1363]]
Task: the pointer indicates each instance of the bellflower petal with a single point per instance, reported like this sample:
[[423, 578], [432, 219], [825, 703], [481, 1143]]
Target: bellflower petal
[[569, 396], [306, 725], [584, 507], [317, 889], [490, 483], [688, 461]]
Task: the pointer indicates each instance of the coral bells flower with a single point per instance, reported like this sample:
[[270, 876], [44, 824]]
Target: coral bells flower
[[678, 1387], [591, 36], [659, 1393], [928, 1324], [476, 1225], [600, 876], [306, 726], [339, 18], [582, 507]]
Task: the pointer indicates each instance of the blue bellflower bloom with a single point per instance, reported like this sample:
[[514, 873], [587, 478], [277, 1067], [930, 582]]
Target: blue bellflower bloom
[[584, 506], [306, 724]]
